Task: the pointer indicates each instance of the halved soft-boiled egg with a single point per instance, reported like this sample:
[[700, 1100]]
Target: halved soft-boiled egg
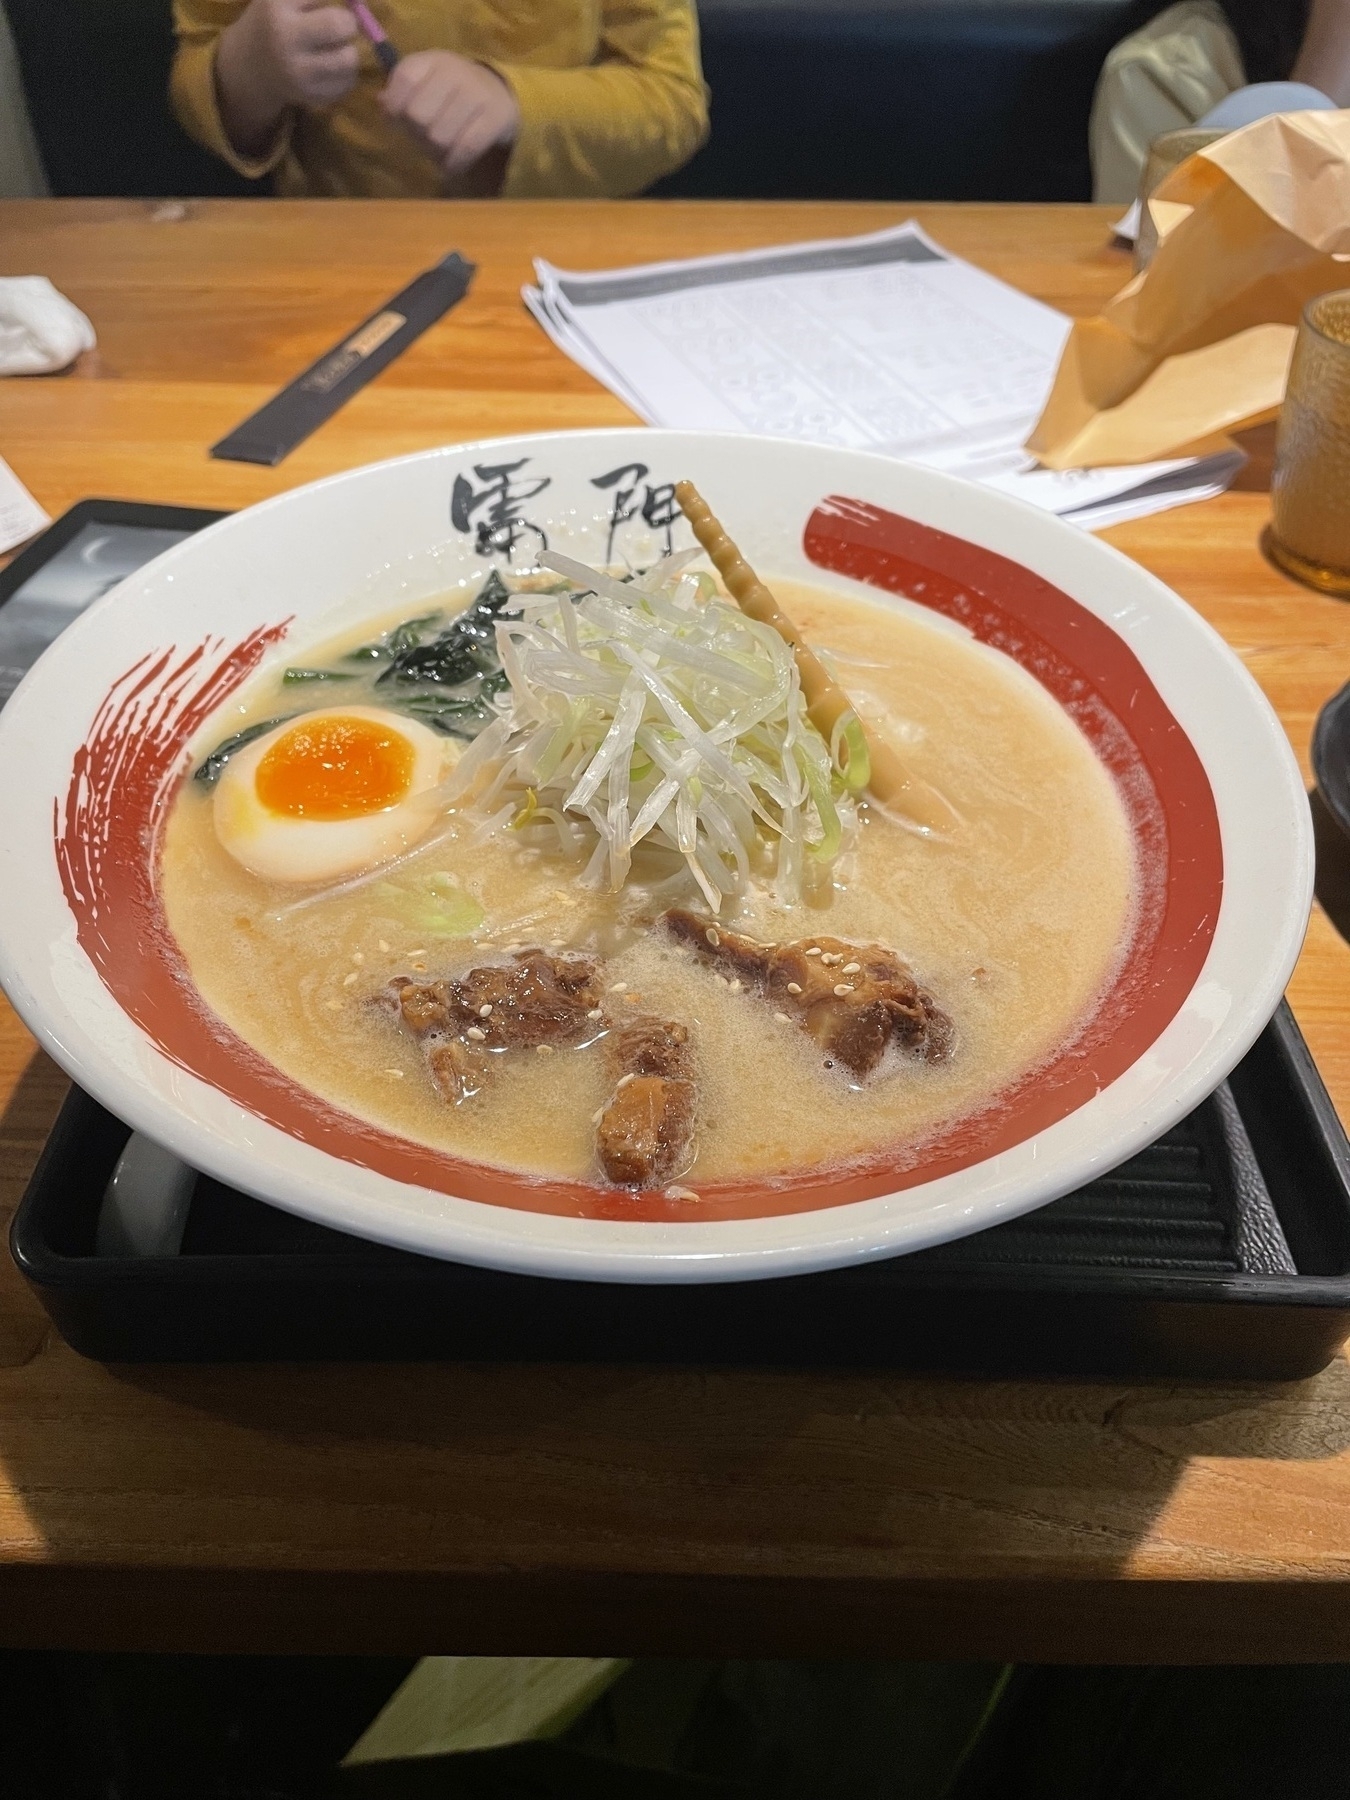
[[331, 793]]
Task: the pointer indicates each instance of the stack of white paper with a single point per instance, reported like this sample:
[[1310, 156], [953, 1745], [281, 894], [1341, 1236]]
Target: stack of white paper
[[883, 342], [20, 514]]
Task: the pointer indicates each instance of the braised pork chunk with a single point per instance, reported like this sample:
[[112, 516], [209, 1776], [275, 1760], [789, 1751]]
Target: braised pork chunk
[[533, 1000], [855, 1000], [645, 1135]]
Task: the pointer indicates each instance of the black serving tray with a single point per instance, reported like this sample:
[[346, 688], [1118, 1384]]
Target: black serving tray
[[1222, 1250], [1330, 802]]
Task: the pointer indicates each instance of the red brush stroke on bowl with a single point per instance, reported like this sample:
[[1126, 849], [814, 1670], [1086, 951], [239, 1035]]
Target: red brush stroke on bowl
[[135, 756]]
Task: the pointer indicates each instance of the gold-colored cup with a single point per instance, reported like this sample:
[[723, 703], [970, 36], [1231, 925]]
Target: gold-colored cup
[[1309, 533], [1167, 152]]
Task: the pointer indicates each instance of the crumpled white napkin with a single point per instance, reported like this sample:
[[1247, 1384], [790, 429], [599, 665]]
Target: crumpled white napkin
[[40, 331]]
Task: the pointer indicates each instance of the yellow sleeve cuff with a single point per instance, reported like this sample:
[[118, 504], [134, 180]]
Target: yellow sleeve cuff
[[192, 91], [599, 132]]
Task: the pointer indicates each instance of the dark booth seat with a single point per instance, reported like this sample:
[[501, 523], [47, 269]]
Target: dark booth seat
[[900, 99], [885, 99], [96, 73]]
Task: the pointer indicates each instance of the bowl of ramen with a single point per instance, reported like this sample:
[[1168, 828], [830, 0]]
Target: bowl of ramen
[[647, 856]]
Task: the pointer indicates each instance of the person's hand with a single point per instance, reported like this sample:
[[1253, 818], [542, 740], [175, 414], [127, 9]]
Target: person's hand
[[1324, 58], [456, 109], [279, 54]]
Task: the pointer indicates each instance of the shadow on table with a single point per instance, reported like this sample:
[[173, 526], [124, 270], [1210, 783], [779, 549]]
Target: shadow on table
[[567, 1510], [575, 1509], [27, 1119], [1258, 441], [1333, 864]]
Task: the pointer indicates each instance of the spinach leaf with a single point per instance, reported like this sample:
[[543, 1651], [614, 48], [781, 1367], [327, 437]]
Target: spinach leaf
[[210, 771], [447, 661], [452, 718], [408, 635], [297, 677], [466, 648], [463, 657], [394, 643]]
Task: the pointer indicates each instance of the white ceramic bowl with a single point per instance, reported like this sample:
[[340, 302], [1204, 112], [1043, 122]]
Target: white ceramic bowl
[[98, 736]]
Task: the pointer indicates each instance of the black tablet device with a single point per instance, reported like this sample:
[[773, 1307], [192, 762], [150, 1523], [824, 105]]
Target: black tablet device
[[88, 550]]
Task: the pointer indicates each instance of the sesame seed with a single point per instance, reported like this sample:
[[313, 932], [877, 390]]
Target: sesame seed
[[596, 1012], [830, 956], [543, 1049], [712, 937], [384, 946], [418, 968], [681, 1193], [850, 968], [843, 987], [721, 981], [417, 953], [357, 958], [396, 1073], [334, 1006], [623, 1082], [736, 987], [597, 1116], [485, 1011], [814, 950], [782, 1018], [794, 987], [617, 986], [512, 948], [347, 980], [476, 1034]]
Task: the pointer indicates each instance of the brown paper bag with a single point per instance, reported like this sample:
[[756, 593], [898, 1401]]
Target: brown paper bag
[[1250, 229]]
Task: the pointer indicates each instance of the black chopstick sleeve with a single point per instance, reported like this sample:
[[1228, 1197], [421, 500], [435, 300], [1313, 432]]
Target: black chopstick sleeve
[[305, 403]]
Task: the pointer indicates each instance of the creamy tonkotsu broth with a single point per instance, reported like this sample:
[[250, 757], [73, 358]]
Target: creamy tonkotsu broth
[[1013, 922]]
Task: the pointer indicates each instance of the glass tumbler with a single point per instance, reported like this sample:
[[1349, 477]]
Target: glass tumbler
[[1167, 152], [1309, 532]]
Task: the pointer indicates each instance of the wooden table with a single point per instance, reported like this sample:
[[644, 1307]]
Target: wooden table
[[599, 1510]]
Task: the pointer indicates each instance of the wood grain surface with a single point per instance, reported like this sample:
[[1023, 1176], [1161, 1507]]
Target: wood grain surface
[[598, 1510]]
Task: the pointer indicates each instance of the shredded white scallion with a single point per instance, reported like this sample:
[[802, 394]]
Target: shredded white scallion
[[646, 711]]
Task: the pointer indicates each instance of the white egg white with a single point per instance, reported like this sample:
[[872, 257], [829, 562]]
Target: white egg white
[[279, 847]]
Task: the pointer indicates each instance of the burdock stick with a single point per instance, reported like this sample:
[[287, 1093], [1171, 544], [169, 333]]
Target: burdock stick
[[889, 781]]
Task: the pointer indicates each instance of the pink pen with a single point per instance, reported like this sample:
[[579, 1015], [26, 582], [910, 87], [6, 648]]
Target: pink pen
[[374, 33]]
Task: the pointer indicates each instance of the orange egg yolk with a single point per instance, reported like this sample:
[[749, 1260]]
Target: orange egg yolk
[[335, 768]]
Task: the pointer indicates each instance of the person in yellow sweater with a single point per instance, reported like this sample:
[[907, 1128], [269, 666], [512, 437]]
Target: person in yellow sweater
[[520, 97]]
